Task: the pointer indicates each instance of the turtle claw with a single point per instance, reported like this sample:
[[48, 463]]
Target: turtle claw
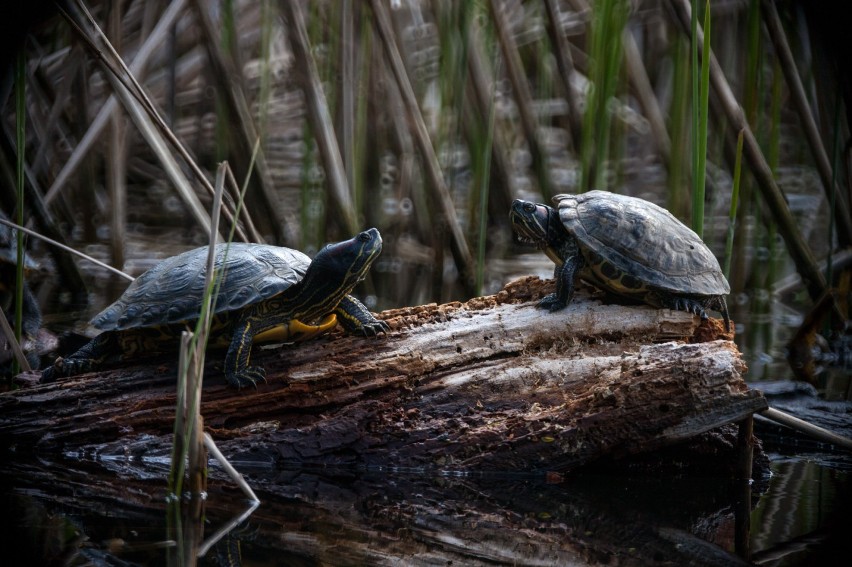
[[62, 368], [377, 327], [373, 328], [51, 373], [250, 376], [689, 305], [551, 303]]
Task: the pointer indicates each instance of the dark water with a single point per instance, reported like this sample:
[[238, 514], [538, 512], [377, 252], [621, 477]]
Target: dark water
[[115, 511]]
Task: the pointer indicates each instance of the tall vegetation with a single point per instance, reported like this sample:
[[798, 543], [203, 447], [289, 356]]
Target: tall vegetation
[[425, 119]]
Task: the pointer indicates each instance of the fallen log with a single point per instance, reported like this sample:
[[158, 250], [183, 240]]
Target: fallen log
[[493, 383]]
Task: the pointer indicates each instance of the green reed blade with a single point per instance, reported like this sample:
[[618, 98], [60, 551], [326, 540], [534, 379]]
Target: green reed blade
[[700, 97], [732, 215], [484, 162], [608, 24]]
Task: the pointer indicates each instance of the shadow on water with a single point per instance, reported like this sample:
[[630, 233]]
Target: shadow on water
[[114, 511]]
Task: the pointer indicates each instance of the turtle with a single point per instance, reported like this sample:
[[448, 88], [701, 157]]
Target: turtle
[[623, 245], [266, 293]]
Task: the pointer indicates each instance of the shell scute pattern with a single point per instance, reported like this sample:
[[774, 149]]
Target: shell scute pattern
[[172, 291], [642, 242]]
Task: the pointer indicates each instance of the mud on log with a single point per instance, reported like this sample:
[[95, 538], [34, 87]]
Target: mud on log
[[493, 383]]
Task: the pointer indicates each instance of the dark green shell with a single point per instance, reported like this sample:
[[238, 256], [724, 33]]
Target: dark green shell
[[640, 244], [172, 291]]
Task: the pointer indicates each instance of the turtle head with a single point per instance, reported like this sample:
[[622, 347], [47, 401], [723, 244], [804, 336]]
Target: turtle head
[[531, 222], [344, 264]]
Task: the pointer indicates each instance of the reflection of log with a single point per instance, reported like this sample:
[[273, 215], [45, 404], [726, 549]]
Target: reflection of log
[[492, 383], [385, 518]]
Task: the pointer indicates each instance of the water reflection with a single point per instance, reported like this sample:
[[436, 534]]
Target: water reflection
[[800, 520], [75, 512]]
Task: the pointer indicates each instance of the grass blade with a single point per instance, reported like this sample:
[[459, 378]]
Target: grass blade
[[732, 215]]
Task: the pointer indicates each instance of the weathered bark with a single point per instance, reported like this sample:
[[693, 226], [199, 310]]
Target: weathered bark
[[492, 383]]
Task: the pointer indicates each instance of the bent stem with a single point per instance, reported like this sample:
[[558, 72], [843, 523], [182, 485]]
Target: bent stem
[[190, 441], [188, 421]]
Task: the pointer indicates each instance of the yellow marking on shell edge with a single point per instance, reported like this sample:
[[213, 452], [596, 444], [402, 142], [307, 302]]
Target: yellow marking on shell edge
[[296, 331]]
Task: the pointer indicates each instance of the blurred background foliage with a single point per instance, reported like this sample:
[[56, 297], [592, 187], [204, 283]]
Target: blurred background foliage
[[425, 118]]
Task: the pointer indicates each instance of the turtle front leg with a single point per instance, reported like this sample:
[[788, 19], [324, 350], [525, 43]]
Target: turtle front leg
[[357, 319], [88, 358], [237, 369], [565, 276]]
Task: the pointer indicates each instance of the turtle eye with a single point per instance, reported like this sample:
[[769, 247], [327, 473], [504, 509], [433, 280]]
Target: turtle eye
[[529, 207], [365, 237]]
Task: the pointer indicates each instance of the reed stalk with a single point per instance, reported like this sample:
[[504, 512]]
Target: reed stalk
[[605, 57], [116, 166], [773, 156], [453, 34], [840, 215], [267, 21], [227, 43], [436, 184], [320, 118], [565, 64], [179, 450], [732, 215], [137, 67], [21, 140], [65, 248], [771, 193], [188, 442], [679, 126], [752, 87], [361, 149], [348, 52], [694, 75], [19, 357], [483, 152], [700, 97], [833, 197]]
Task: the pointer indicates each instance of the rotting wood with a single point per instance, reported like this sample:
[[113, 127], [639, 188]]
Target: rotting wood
[[491, 383]]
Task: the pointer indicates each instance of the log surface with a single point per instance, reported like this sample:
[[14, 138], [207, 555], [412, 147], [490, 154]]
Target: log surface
[[490, 383]]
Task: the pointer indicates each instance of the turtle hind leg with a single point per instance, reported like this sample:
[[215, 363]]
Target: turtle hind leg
[[693, 305], [699, 307], [237, 369], [688, 304], [721, 304], [88, 358]]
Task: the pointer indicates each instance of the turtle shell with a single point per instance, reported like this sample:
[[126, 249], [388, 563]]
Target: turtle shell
[[172, 291], [631, 238]]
